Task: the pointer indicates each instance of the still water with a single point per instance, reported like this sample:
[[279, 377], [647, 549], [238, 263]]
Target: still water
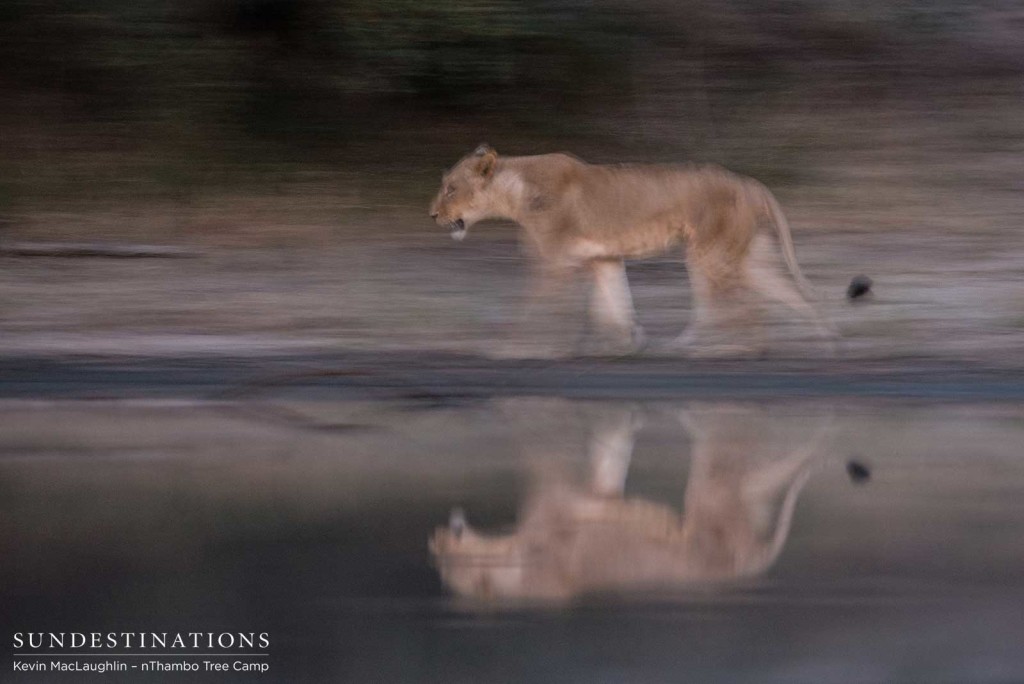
[[536, 540]]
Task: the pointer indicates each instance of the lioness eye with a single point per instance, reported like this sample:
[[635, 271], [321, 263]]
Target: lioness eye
[[449, 191]]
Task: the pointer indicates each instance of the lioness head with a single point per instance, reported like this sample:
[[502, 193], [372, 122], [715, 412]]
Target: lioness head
[[494, 568], [462, 199], [473, 565]]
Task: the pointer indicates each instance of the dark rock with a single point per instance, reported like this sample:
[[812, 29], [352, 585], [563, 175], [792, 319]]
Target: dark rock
[[859, 287]]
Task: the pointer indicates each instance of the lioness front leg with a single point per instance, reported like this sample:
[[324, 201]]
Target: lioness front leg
[[541, 330], [611, 308]]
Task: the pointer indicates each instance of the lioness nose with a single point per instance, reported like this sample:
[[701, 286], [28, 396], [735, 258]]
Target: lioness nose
[[433, 214]]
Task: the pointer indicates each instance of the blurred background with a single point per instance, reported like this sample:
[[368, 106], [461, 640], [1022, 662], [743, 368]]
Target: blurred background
[[288, 151], [324, 124]]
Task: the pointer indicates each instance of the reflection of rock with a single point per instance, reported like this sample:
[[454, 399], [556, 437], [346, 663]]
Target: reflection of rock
[[577, 538], [859, 473]]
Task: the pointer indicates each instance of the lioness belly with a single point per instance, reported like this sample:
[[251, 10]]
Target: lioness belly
[[629, 244]]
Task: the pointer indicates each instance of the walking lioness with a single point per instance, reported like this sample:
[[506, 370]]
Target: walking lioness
[[577, 215]]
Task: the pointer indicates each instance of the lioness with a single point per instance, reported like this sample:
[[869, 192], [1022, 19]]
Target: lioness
[[577, 215], [572, 539]]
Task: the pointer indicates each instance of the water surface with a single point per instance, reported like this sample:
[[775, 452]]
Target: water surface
[[618, 541]]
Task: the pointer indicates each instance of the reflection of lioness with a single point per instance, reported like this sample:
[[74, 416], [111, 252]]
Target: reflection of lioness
[[744, 480], [576, 215]]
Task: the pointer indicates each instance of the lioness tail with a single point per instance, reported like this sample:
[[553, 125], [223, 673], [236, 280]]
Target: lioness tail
[[778, 219]]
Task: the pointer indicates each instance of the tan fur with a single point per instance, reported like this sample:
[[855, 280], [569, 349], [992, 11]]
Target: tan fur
[[573, 539], [574, 214]]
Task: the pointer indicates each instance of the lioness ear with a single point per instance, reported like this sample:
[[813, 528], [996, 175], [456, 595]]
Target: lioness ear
[[486, 159]]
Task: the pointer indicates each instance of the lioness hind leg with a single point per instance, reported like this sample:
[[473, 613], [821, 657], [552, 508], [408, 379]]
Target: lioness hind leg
[[766, 279], [700, 313], [724, 322], [611, 307]]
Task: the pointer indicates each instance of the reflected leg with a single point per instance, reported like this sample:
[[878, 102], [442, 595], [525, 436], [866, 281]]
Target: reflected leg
[[610, 450]]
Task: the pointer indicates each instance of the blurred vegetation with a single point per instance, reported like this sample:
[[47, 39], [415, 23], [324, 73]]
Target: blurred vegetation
[[299, 67], [183, 94]]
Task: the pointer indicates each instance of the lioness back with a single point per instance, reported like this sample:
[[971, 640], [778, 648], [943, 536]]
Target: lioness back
[[637, 209]]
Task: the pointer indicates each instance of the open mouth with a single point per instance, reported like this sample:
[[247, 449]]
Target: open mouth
[[458, 228]]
